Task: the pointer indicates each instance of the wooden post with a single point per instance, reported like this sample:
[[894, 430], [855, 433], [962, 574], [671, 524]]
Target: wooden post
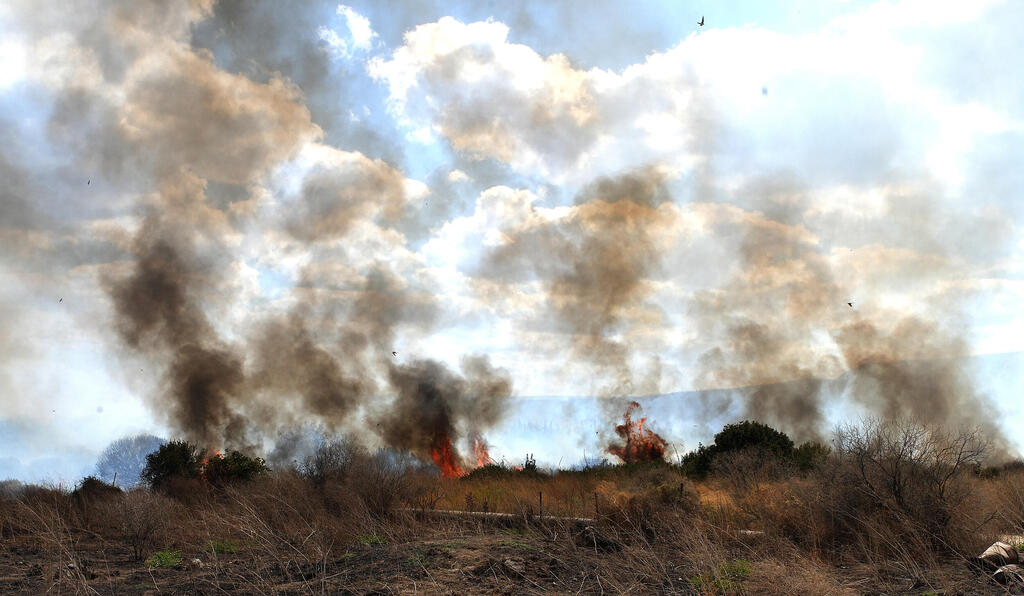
[[596, 512], [114, 481], [540, 503]]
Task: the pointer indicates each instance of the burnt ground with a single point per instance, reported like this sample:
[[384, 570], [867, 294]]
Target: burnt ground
[[466, 560]]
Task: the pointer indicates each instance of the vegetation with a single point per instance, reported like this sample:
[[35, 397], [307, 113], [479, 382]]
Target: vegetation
[[175, 459], [891, 507], [164, 558], [122, 462], [233, 467], [757, 440]]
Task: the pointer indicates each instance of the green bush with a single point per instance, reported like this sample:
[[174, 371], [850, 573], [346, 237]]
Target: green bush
[[809, 456], [753, 434], [164, 558], [744, 436], [174, 459], [697, 463], [233, 467]]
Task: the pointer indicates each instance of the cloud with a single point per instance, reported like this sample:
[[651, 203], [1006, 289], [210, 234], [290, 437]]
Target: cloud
[[358, 26]]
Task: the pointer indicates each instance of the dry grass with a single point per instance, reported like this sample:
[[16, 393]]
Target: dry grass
[[751, 528]]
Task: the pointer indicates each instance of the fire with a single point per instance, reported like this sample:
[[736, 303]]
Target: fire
[[483, 458], [443, 456], [206, 460], [642, 444]]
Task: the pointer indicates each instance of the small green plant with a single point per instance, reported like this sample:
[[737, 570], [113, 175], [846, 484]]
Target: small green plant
[[164, 558], [371, 539], [453, 544], [726, 579], [1019, 546], [221, 547], [416, 560]]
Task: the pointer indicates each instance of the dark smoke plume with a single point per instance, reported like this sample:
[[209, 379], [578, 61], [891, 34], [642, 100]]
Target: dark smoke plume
[[434, 406]]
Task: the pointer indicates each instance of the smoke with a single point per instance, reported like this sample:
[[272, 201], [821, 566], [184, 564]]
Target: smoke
[[792, 338], [596, 263], [188, 124], [435, 405]]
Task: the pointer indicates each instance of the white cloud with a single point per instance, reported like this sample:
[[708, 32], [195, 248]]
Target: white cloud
[[458, 176], [13, 63], [335, 44], [359, 27], [854, 99], [359, 38]]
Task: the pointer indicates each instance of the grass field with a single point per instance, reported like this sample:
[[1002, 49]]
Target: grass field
[[752, 526]]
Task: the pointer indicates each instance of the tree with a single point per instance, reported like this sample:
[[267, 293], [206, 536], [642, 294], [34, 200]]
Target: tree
[[126, 457], [173, 459]]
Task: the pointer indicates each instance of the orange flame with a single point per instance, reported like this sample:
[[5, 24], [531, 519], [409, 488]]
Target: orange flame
[[206, 460], [642, 444], [483, 458], [444, 458]]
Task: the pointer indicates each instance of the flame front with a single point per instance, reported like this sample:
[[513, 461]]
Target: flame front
[[642, 444], [444, 458], [483, 458]]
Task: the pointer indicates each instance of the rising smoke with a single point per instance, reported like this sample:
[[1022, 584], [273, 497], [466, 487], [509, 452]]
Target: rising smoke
[[156, 111]]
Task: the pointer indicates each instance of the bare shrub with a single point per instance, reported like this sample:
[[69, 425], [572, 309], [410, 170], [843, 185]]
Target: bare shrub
[[743, 471], [332, 459], [915, 475], [143, 519], [381, 480]]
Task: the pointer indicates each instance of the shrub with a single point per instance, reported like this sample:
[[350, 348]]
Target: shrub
[[748, 436], [331, 460], [380, 481], [810, 455], [89, 497], [143, 518], [911, 474], [164, 558], [697, 463], [92, 487], [174, 459], [233, 467]]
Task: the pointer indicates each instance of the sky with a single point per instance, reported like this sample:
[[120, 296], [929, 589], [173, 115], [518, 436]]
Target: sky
[[224, 219]]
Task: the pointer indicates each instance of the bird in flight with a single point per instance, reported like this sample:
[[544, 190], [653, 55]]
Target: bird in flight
[[61, 300], [701, 21], [88, 182], [850, 304], [394, 354]]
